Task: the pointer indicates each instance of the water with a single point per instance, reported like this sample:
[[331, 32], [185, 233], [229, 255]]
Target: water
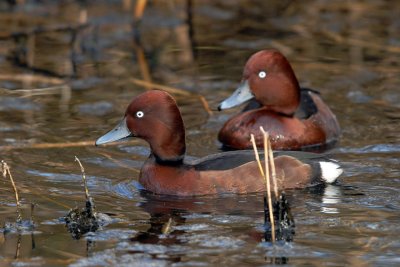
[[84, 76]]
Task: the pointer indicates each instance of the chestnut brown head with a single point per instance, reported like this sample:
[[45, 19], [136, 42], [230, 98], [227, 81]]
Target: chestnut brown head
[[269, 78], [154, 117]]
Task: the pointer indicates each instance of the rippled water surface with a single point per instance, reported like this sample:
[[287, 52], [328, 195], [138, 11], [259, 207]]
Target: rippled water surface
[[68, 69]]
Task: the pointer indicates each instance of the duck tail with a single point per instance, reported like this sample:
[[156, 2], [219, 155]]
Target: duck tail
[[330, 171]]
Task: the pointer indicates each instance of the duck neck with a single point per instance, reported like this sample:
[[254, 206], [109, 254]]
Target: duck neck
[[169, 147], [169, 162], [290, 108]]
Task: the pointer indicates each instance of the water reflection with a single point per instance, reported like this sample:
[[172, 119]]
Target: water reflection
[[14, 235], [170, 222], [169, 226], [332, 195], [15, 241]]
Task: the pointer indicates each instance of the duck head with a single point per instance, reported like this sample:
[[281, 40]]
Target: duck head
[[269, 78], [154, 117]]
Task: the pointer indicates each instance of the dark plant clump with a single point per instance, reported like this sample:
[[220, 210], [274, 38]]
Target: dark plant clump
[[80, 221], [284, 222]]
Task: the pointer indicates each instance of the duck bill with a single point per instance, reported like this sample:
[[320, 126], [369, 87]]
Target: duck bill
[[241, 95], [119, 132]]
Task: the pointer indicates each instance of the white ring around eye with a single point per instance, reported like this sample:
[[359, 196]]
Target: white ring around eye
[[262, 74], [139, 114]]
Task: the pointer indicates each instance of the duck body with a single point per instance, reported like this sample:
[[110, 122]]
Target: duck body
[[155, 117], [220, 174], [296, 118], [306, 129]]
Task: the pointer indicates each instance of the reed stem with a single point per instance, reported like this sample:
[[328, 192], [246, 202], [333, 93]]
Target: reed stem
[[256, 154], [268, 181], [271, 162], [265, 175], [83, 179], [6, 170]]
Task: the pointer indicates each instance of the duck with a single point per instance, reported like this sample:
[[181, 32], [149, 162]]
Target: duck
[[296, 118], [155, 117]]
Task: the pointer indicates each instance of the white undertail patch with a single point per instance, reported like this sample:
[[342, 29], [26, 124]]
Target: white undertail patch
[[330, 171]]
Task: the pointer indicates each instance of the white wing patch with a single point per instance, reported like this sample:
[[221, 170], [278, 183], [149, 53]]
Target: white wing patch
[[330, 171]]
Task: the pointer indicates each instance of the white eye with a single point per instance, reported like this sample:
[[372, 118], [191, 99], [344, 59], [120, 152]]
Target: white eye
[[139, 114], [262, 74]]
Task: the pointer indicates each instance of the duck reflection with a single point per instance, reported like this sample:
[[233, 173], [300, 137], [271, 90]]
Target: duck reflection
[[16, 235], [184, 221], [161, 229], [332, 195], [170, 216], [329, 197]]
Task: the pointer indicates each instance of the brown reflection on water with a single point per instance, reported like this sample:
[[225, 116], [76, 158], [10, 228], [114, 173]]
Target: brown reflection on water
[[69, 69]]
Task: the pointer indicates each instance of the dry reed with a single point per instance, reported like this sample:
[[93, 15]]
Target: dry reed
[[83, 179], [265, 175], [271, 161], [139, 9], [5, 171], [58, 145], [172, 90]]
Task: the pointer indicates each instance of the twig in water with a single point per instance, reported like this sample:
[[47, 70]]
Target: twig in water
[[89, 200], [32, 209], [167, 88], [139, 9], [33, 223], [5, 171], [58, 145], [271, 161], [18, 248], [205, 105], [143, 66], [81, 221], [166, 228], [268, 181], [171, 90], [253, 141], [23, 78], [265, 175], [56, 89], [83, 178]]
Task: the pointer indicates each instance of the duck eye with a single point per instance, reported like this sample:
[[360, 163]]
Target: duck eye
[[139, 114], [262, 74]]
